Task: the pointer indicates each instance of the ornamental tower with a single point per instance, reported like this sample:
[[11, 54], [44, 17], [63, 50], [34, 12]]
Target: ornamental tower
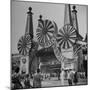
[[67, 15], [29, 23], [77, 47], [75, 23]]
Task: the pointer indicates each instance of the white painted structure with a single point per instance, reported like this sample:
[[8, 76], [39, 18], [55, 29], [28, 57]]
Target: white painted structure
[[24, 64]]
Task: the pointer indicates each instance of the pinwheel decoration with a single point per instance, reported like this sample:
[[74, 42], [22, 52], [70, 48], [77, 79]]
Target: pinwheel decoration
[[66, 37], [24, 44], [45, 32]]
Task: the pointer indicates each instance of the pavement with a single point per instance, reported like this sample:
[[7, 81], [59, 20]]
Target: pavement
[[54, 82]]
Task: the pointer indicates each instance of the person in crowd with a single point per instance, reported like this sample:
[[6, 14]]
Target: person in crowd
[[16, 79], [49, 77], [70, 77], [66, 73], [58, 74], [37, 79], [27, 82], [75, 79]]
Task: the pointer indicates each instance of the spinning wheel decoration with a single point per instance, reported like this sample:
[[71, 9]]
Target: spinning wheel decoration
[[27, 38], [45, 33], [24, 44], [66, 37]]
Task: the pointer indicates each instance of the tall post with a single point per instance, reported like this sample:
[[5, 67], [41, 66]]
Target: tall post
[[79, 38], [38, 62], [29, 23], [29, 31], [40, 19], [67, 20], [75, 22], [67, 15]]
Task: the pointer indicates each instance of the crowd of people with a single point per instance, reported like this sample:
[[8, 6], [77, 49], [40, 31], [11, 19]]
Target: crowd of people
[[72, 77], [20, 81]]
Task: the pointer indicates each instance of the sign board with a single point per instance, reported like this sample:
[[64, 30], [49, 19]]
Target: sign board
[[67, 53], [24, 65], [69, 63], [69, 66]]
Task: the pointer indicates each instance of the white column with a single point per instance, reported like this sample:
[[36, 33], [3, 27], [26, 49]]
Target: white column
[[62, 73]]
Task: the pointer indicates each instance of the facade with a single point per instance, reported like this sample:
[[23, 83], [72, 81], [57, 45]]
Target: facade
[[51, 51], [46, 55], [48, 61]]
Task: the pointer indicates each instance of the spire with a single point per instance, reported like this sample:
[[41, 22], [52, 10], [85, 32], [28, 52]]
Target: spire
[[40, 19], [75, 22], [67, 17], [29, 23]]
